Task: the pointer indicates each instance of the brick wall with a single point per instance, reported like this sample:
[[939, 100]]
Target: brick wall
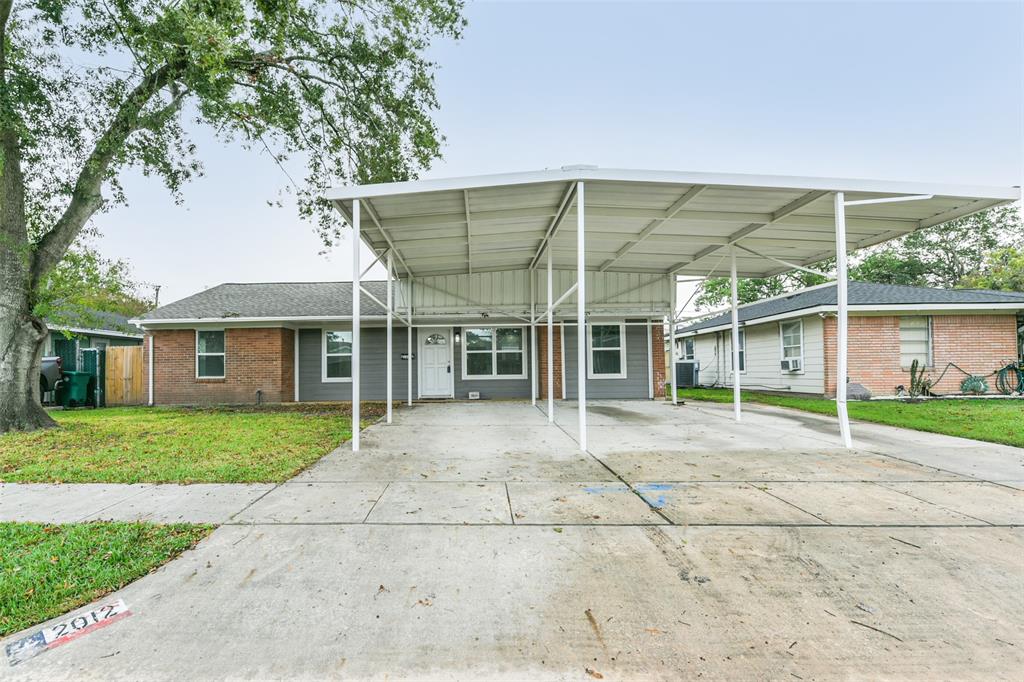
[[254, 359], [658, 359], [977, 343], [542, 360]]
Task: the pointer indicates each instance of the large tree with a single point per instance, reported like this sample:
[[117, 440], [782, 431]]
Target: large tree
[[89, 88]]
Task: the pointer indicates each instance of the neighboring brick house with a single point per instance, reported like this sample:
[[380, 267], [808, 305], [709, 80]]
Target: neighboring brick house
[[281, 342], [788, 343]]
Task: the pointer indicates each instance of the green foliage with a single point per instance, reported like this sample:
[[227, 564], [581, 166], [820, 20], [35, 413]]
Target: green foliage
[[716, 291], [1003, 269], [90, 87], [996, 421], [889, 267], [49, 570], [167, 445], [974, 385], [83, 283], [919, 383]]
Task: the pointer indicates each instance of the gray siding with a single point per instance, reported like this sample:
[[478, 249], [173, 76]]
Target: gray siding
[[374, 369], [635, 385], [493, 388]]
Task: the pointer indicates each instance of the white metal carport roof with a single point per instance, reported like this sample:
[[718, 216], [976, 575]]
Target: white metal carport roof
[[642, 221]]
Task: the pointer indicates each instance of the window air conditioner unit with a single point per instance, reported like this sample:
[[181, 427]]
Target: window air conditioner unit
[[791, 365]]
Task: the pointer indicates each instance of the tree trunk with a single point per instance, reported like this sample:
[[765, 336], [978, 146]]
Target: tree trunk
[[21, 349]]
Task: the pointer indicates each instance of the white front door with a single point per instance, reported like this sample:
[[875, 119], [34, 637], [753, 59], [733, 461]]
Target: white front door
[[435, 362]]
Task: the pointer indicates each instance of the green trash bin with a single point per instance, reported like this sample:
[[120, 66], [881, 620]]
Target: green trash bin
[[74, 389]]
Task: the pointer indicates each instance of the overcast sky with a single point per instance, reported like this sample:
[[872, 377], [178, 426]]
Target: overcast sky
[[916, 91]]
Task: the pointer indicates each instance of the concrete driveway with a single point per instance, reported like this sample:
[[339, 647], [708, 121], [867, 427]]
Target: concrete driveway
[[473, 540]]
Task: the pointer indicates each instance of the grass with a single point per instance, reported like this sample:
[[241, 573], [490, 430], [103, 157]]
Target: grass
[[996, 421], [46, 571], [178, 445]]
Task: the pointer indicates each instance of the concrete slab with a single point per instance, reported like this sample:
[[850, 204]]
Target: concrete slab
[[723, 504], [864, 504], [197, 503], [455, 503], [62, 503], [510, 603], [989, 502], [593, 503], [314, 503]]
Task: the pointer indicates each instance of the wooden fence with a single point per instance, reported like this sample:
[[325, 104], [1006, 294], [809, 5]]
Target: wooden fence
[[125, 383]]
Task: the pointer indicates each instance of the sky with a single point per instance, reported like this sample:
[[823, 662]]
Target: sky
[[902, 91]]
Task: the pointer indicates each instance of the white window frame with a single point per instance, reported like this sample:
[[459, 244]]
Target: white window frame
[[323, 359], [743, 351], [683, 355], [493, 376], [930, 359], [223, 354], [782, 346], [622, 350]]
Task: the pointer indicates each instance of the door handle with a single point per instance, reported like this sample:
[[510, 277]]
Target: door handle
[[449, 368]]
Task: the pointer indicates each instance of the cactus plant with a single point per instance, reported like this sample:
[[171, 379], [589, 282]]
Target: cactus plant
[[919, 385]]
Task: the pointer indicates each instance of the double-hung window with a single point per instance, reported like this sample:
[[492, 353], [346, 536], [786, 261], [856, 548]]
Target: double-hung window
[[743, 351], [607, 351], [688, 348], [792, 336], [337, 352], [915, 340], [493, 353], [209, 354]]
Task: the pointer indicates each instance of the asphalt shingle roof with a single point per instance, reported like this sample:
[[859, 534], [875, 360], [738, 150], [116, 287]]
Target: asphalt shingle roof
[[97, 320], [271, 299], [860, 293]]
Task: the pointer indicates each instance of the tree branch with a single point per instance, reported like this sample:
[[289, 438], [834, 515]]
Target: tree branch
[[87, 197]]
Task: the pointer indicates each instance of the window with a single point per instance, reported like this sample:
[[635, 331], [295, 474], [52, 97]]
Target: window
[[209, 354], [915, 340], [337, 350], [493, 353], [743, 352], [792, 335], [688, 349], [607, 351]]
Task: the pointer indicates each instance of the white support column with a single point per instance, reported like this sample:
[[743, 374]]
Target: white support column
[[672, 337], [152, 339], [734, 297], [533, 338], [551, 347], [388, 351], [355, 325], [841, 321], [581, 316], [295, 377], [408, 345]]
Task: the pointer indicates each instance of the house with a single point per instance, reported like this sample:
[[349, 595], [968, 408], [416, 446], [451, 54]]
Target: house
[[292, 341], [788, 343], [74, 331]]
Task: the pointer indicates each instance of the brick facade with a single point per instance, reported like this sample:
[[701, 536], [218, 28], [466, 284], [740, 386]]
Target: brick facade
[[254, 359], [979, 344], [542, 360], [658, 359]]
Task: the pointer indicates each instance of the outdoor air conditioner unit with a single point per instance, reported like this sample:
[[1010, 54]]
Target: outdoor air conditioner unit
[[791, 365]]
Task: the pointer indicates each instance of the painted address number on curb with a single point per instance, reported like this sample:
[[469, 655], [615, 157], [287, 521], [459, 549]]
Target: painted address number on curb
[[65, 631]]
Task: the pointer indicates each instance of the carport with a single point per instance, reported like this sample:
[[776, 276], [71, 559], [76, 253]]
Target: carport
[[503, 247]]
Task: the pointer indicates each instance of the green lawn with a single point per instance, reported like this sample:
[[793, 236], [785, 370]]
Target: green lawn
[[178, 445], [46, 571], [997, 421]]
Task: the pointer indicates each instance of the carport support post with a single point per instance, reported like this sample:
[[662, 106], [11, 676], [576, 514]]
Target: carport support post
[[408, 342], [391, 304], [672, 337], [734, 295], [533, 338], [581, 315], [841, 320], [355, 325], [551, 346]]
